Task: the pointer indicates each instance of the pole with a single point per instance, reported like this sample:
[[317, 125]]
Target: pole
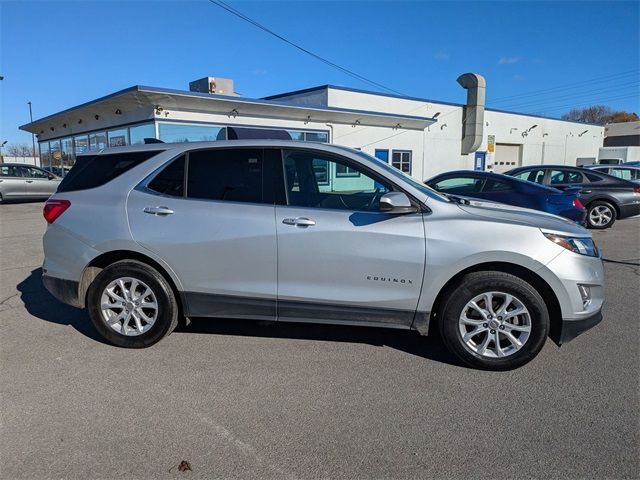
[[33, 138]]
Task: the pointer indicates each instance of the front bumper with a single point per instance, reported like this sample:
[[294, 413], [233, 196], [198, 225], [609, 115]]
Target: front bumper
[[571, 328], [64, 290]]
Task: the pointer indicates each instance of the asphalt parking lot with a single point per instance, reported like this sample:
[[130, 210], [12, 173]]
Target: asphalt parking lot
[[248, 400]]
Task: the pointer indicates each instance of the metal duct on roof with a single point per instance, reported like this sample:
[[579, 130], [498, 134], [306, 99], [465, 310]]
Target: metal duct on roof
[[473, 113]]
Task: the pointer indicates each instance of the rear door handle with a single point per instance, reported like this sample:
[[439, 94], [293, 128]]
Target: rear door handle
[[29, 181], [158, 210], [299, 222]]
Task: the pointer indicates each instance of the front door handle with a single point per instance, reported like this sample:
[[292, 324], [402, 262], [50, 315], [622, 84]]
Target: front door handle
[[299, 222], [158, 210], [587, 191], [29, 181]]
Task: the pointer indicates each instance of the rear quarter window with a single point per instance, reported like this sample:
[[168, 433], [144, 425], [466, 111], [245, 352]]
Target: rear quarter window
[[91, 171]]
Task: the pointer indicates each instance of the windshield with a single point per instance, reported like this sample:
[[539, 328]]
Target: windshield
[[398, 174]]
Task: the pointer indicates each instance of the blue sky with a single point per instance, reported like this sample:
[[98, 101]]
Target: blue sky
[[60, 54]]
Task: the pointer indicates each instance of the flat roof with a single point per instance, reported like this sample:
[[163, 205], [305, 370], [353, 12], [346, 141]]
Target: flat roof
[[139, 95], [408, 97]]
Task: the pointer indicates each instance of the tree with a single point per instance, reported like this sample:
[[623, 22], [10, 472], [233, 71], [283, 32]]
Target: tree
[[622, 117], [20, 150], [599, 115]]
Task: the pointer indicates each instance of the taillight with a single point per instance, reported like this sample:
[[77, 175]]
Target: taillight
[[578, 204], [636, 189], [54, 208]]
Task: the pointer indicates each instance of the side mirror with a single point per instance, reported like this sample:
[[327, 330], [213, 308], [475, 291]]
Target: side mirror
[[51, 176], [397, 203]]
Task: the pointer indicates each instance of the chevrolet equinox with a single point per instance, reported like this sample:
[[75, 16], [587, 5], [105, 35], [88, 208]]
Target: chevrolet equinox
[[289, 231]]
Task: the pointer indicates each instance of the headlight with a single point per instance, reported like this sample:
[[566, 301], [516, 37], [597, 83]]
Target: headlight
[[580, 245]]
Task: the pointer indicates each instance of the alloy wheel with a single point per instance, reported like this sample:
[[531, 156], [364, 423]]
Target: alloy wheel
[[494, 324], [129, 306], [600, 215]]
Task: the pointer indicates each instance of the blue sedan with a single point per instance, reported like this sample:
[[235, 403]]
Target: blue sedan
[[512, 191]]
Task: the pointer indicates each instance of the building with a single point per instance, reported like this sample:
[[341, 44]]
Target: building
[[419, 136]]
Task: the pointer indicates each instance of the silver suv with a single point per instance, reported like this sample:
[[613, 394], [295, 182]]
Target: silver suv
[[21, 182], [298, 232]]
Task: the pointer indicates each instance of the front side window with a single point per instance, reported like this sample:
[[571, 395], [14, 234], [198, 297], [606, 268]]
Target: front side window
[[312, 180], [401, 159], [563, 177], [459, 185], [233, 175], [170, 181], [536, 176], [33, 172]]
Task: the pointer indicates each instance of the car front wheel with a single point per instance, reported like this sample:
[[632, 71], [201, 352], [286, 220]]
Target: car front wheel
[[494, 321], [132, 305]]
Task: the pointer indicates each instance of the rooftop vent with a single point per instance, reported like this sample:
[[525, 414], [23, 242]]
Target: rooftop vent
[[217, 85]]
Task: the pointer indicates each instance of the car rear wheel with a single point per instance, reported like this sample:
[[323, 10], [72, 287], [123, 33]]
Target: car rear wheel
[[600, 215], [132, 305], [494, 321]]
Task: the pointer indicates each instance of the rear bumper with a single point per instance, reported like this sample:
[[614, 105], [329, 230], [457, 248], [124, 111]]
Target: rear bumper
[[64, 290], [571, 328], [629, 210]]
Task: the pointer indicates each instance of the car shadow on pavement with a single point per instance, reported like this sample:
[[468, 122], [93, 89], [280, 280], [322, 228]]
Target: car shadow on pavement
[[41, 304], [430, 347]]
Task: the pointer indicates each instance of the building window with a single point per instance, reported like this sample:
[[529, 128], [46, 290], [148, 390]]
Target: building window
[[98, 140], [316, 137], [118, 138], [45, 158], [184, 132], [345, 171], [81, 144], [68, 158], [138, 133], [303, 136], [382, 155], [401, 159]]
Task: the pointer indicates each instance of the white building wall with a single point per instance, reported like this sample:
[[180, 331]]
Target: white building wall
[[551, 141]]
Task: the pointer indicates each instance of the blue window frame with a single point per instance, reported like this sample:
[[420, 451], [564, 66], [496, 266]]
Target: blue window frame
[[382, 155]]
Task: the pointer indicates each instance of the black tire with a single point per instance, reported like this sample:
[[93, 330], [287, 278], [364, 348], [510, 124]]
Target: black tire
[[167, 307], [477, 283], [602, 207], [1, 198]]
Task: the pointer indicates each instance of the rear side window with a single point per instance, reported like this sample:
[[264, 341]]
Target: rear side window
[[560, 177], [170, 181], [233, 175], [91, 171]]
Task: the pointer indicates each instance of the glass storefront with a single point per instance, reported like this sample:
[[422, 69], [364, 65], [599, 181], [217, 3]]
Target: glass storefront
[[97, 140], [45, 158], [119, 137], [60, 153], [138, 133], [185, 132], [81, 144]]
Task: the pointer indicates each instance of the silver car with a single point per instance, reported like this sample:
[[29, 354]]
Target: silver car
[[298, 232], [20, 182]]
